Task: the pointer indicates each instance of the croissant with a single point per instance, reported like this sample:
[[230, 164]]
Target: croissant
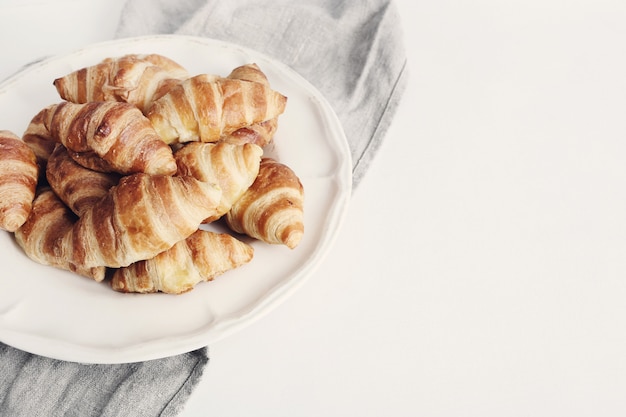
[[41, 236], [262, 133], [139, 218], [18, 180], [38, 138], [135, 79], [272, 209], [201, 257], [92, 161], [232, 167], [78, 187], [116, 132], [249, 72], [205, 107]]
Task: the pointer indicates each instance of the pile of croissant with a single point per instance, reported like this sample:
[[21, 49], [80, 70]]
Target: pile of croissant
[[115, 181]]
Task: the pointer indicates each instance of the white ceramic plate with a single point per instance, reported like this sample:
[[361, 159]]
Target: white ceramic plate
[[61, 315]]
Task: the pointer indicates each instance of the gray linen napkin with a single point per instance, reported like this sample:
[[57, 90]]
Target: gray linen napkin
[[36, 386], [352, 51]]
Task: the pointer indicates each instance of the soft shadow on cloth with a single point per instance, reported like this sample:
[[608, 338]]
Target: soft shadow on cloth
[[351, 51]]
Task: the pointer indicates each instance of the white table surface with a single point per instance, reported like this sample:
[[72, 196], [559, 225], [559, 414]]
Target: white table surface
[[480, 270]]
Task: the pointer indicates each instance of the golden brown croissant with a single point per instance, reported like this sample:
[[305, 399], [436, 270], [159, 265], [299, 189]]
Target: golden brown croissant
[[205, 107], [272, 209], [78, 187], [249, 72], [201, 257], [116, 132], [262, 133], [39, 139], [41, 236], [92, 161], [133, 78], [139, 218], [232, 167], [18, 180]]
